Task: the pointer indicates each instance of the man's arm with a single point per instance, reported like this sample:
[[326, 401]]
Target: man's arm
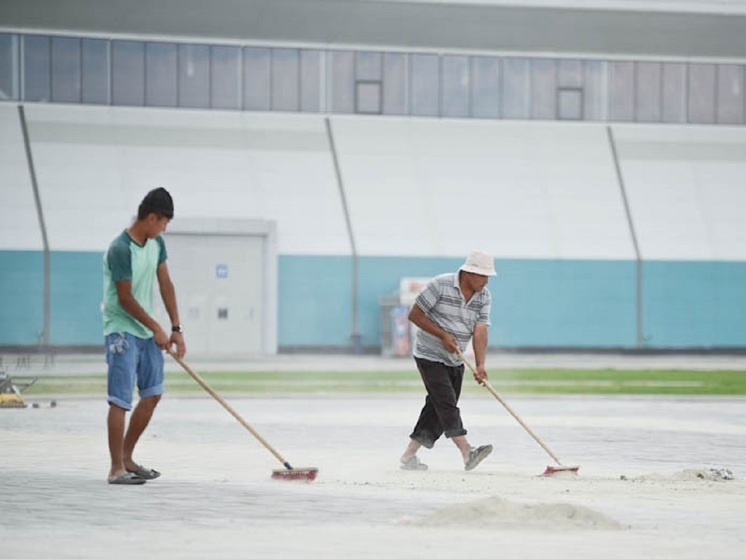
[[418, 317], [132, 307], [168, 294], [479, 343]]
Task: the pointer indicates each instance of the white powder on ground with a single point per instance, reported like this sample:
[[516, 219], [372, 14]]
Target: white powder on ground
[[496, 513]]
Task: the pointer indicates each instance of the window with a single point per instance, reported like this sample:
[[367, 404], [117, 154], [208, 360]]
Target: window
[[66, 70], [225, 77], [648, 92], [128, 73], [424, 94], [310, 80], [160, 74], [455, 86], [674, 92], [622, 91], [516, 88], [36, 68], [701, 107], [368, 97], [194, 76], [95, 70], [570, 103], [730, 102], [485, 90], [8, 66], [368, 70], [395, 84], [342, 81], [543, 89], [596, 90], [256, 79], [285, 86]]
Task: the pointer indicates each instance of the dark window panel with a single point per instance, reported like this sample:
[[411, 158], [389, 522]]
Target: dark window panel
[[66, 70], [225, 77], [674, 92], [622, 91], [310, 80], [701, 106], [543, 89], [160, 74], [285, 74], [342, 81], [595, 90], [424, 94], [730, 100], [516, 88], [37, 84], [256, 79], [570, 73], [95, 78], [570, 103], [194, 76], [648, 92], [455, 86], [128, 73], [368, 66], [485, 90], [368, 97], [395, 84], [8, 66]]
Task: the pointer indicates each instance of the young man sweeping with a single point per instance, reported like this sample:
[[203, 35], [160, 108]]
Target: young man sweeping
[[133, 339], [451, 310]]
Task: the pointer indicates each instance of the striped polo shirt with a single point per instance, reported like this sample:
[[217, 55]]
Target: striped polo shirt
[[444, 304]]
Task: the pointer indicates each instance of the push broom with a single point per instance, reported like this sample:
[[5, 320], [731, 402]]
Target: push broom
[[289, 473], [550, 469]]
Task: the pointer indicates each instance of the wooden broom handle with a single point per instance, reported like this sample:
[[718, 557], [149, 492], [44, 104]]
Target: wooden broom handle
[[228, 407], [528, 429]]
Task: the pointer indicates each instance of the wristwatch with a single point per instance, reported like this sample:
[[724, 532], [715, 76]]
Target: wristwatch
[[178, 329]]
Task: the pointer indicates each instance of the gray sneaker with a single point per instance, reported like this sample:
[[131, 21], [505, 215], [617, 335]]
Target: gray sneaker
[[413, 464], [476, 455]]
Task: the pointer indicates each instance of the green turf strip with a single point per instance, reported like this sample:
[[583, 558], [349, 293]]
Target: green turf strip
[[515, 381]]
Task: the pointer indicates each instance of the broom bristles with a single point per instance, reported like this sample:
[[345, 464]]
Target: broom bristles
[[303, 474], [558, 469]]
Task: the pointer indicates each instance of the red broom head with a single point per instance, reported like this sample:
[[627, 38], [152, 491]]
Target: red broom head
[[551, 470], [296, 474]]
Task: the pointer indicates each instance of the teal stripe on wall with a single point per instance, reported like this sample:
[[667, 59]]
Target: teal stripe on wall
[[700, 304], [536, 303], [76, 294], [21, 297], [314, 301]]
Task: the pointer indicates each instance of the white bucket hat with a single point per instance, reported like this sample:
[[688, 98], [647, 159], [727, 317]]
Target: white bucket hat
[[480, 263]]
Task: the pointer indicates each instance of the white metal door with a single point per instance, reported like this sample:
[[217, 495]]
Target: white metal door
[[218, 281]]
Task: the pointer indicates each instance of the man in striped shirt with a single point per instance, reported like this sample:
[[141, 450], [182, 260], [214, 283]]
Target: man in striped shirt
[[452, 310]]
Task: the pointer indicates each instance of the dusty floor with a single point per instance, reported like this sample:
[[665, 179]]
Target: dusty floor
[[651, 484]]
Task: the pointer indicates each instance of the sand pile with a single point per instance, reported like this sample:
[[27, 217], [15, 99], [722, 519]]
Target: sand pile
[[496, 513], [707, 474]]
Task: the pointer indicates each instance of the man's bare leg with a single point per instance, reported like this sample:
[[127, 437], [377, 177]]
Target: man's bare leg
[[463, 445], [410, 451], [115, 426], [138, 422]]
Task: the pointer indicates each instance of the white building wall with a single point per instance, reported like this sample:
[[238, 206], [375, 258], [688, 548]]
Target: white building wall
[[19, 222], [96, 163], [517, 189], [414, 187], [687, 190]]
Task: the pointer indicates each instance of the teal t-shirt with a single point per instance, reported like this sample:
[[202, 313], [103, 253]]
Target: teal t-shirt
[[127, 260]]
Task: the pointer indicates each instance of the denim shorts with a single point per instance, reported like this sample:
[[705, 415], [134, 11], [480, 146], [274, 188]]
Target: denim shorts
[[131, 358]]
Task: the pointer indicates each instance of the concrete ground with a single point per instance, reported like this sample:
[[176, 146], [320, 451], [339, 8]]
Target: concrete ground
[[654, 480]]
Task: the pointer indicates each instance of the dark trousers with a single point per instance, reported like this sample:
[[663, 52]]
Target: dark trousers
[[440, 414]]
